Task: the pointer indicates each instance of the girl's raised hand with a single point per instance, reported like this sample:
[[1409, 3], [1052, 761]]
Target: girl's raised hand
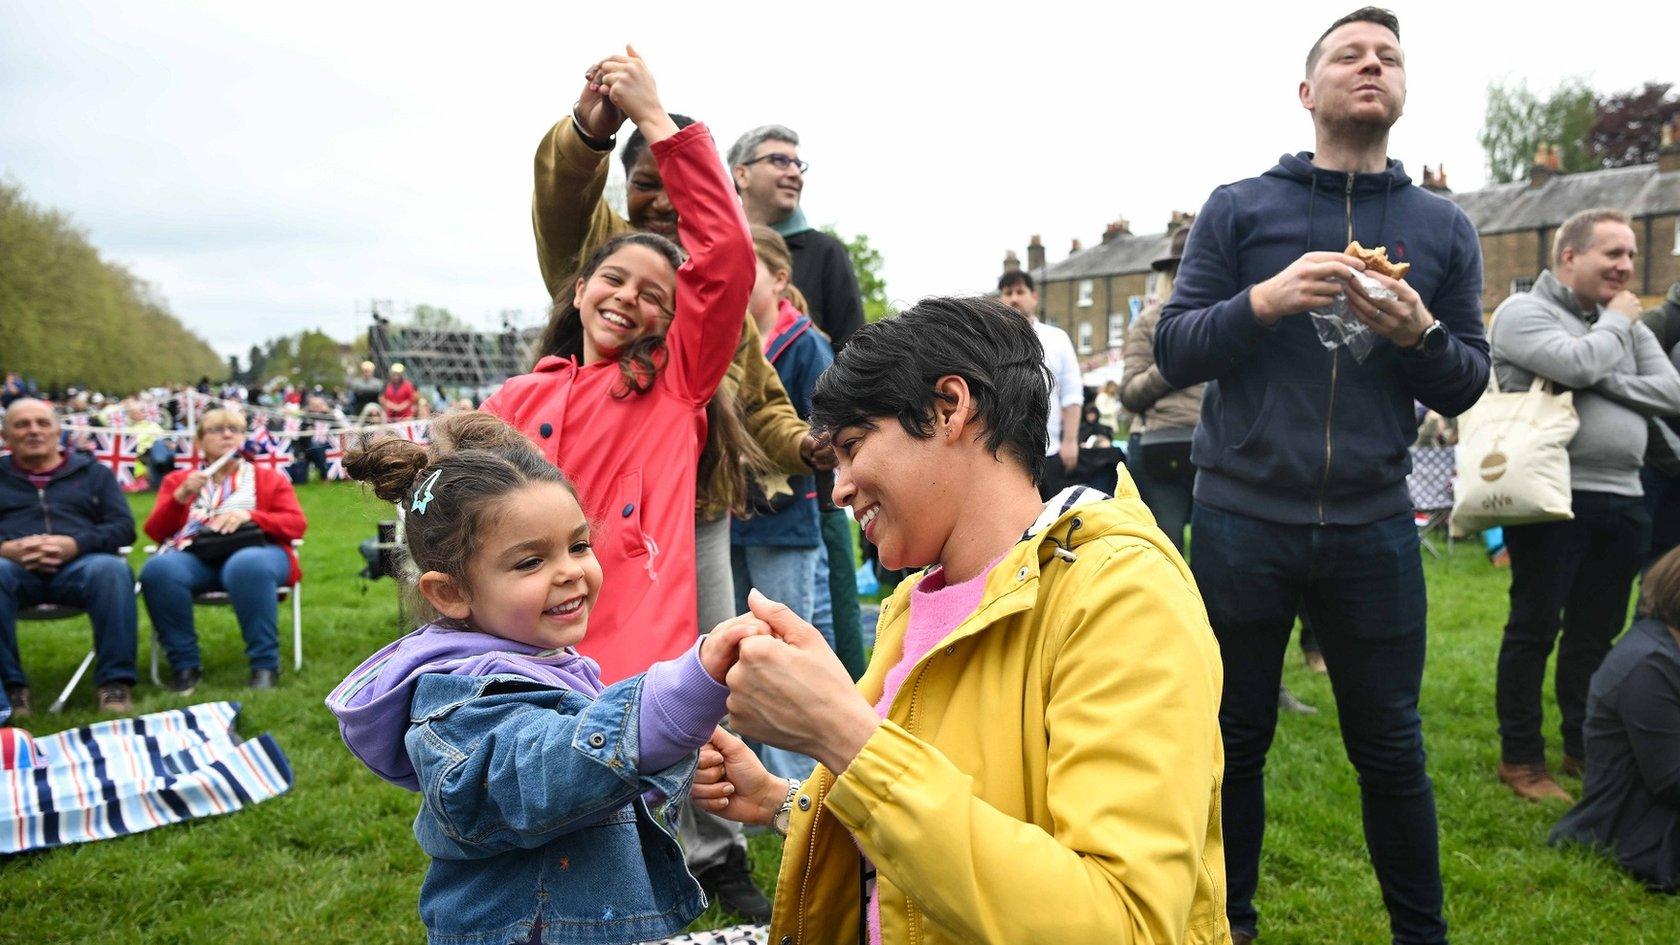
[[626, 81], [731, 782], [723, 645]]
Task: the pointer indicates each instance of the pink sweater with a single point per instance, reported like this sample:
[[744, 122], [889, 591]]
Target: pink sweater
[[936, 608]]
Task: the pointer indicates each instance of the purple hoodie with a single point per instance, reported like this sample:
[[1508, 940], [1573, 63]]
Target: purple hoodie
[[680, 702]]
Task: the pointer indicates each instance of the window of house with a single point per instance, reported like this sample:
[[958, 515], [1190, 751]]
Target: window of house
[[1117, 324], [1084, 337], [1521, 285], [1086, 289]]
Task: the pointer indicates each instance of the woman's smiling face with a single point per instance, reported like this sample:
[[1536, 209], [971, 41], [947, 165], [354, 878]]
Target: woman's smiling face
[[898, 487], [628, 296]]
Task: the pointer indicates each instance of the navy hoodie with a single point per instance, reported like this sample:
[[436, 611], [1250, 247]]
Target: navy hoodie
[[82, 501], [1292, 432]]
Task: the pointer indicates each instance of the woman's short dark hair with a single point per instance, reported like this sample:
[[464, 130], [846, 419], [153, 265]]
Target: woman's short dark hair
[[1659, 594], [889, 368]]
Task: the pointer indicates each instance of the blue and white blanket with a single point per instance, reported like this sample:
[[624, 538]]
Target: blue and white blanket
[[127, 775]]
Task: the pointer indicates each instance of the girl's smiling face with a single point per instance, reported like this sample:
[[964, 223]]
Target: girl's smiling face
[[534, 577], [627, 297]]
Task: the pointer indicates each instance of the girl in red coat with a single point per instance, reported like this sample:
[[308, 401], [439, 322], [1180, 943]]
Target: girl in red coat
[[618, 398], [192, 503]]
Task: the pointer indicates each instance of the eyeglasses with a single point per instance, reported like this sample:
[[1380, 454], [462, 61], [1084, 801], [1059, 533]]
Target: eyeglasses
[[781, 162]]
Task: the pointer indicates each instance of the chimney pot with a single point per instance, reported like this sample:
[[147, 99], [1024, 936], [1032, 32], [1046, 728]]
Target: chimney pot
[[1668, 156], [1075, 248], [1542, 170], [1035, 254], [1011, 262]]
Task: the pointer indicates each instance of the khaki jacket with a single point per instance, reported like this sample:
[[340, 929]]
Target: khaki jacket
[[1049, 773], [570, 218], [1144, 392]]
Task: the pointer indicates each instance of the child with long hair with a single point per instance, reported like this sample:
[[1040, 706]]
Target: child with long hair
[[632, 356], [535, 780]]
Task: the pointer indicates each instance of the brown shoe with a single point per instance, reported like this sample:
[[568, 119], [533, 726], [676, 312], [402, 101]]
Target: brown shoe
[[1572, 766], [1315, 661], [18, 696], [1533, 783], [116, 698], [1241, 938]]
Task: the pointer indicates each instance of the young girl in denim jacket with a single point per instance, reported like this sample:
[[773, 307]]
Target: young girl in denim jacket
[[535, 781]]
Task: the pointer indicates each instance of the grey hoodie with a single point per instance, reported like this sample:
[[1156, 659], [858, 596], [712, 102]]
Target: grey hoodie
[[1618, 370]]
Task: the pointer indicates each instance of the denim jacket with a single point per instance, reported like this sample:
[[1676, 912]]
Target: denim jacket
[[533, 808]]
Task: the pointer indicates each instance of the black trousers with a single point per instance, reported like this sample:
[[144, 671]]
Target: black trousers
[[1574, 576]]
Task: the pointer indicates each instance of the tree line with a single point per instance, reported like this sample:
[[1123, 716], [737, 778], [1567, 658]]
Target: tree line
[[70, 318], [1591, 129]]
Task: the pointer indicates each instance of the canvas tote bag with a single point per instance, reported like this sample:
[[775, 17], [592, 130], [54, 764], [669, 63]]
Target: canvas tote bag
[[1513, 458]]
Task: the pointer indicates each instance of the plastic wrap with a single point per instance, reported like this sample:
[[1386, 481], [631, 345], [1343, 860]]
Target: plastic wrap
[[1339, 327]]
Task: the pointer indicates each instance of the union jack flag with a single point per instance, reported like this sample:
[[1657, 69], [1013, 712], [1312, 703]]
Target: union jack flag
[[416, 431], [187, 455], [335, 456], [117, 453], [269, 451]]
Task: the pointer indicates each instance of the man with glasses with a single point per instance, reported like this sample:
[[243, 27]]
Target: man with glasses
[[770, 178]]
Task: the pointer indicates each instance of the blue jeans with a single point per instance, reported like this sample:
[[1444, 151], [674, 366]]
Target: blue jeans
[[251, 578], [1362, 588], [101, 584], [787, 575]]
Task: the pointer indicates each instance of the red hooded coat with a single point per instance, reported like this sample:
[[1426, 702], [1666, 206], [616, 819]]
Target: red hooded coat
[[633, 459]]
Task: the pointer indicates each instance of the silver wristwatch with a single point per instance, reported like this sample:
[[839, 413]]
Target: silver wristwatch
[[784, 814]]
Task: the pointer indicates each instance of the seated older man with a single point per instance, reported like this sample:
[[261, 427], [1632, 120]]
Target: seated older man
[[62, 519]]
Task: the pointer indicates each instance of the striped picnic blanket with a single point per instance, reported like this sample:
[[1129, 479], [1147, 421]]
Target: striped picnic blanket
[[123, 776]]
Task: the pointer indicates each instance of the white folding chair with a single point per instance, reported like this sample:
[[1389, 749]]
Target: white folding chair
[[292, 592]]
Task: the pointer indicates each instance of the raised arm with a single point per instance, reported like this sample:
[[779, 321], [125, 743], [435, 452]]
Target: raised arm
[[1529, 336], [714, 284]]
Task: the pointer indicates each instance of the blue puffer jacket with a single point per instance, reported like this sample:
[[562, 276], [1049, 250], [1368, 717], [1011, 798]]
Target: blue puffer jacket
[[1292, 432], [82, 501]]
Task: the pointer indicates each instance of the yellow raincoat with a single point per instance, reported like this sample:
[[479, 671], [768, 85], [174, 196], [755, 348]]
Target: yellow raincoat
[[1050, 773]]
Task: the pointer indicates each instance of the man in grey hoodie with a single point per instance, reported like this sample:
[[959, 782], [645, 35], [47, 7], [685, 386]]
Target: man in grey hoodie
[[1578, 328]]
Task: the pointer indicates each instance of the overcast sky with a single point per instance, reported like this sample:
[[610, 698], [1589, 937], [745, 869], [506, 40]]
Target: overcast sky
[[271, 167]]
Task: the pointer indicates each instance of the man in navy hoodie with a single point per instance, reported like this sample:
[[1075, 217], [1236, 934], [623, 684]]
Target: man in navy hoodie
[[62, 519], [1302, 458]]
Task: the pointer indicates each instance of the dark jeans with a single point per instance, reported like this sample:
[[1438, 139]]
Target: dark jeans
[[1662, 503], [1362, 586], [101, 584], [306, 457], [251, 577], [1575, 575], [1168, 499]]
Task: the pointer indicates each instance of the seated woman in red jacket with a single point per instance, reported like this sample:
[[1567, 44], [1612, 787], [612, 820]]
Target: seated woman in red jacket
[[198, 508], [628, 362]]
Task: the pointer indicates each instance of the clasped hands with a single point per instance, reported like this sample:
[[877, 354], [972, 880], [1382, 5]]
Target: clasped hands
[[1314, 281], [786, 688], [42, 554]]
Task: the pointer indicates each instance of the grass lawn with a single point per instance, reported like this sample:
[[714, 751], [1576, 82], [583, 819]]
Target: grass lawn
[[334, 860]]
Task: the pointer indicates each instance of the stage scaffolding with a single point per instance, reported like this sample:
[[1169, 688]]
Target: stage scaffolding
[[452, 357]]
